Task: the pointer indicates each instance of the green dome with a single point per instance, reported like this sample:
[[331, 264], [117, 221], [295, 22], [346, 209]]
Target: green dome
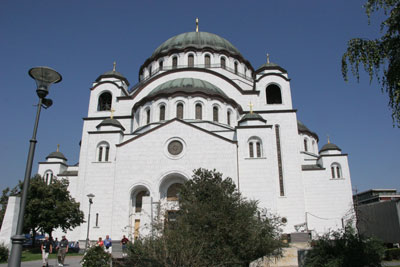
[[303, 129], [111, 122], [187, 85], [329, 146], [198, 40], [252, 116], [57, 155], [113, 74]]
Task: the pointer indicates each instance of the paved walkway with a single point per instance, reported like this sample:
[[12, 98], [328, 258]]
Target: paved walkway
[[72, 261]]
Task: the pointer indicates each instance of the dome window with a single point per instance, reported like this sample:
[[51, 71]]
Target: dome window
[[162, 113], [161, 64], [104, 102], [199, 112], [150, 69], [190, 60], [305, 145], [273, 93], [179, 111], [215, 114], [228, 117], [174, 62], [207, 61], [223, 63], [148, 116], [236, 68]]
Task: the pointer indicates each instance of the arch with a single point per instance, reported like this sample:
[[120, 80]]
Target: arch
[[173, 191], [190, 60], [305, 144], [198, 111], [103, 151], [215, 113], [236, 67], [160, 64], [162, 112], [255, 147], [207, 61], [336, 170], [223, 62], [273, 94], [174, 62], [104, 102], [137, 194], [48, 176], [165, 189], [179, 110]]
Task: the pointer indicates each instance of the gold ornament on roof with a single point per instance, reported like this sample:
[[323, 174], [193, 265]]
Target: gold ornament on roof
[[251, 107], [114, 65], [329, 141], [58, 147], [197, 24], [267, 58], [112, 113]]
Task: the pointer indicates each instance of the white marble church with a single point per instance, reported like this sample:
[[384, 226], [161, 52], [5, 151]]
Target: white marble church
[[199, 103]]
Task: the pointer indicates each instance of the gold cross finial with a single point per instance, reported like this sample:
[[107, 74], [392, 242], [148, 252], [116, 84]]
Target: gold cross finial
[[197, 24], [58, 147], [112, 113], [267, 58], [329, 141], [114, 65], [251, 107]]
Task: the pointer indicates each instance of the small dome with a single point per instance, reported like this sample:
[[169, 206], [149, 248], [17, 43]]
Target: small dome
[[269, 66], [252, 116], [197, 40], [111, 122], [57, 155], [188, 85], [329, 146], [113, 74], [303, 129]]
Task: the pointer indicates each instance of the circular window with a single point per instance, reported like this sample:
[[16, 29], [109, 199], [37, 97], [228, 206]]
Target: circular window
[[284, 220], [175, 147]]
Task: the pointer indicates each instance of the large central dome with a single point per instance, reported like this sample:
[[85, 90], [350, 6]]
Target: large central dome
[[197, 40]]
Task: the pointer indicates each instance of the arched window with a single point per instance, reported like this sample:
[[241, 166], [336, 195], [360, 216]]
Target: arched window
[[336, 170], [148, 116], [313, 146], [179, 111], [305, 145], [162, 113], [161, 64], [228, 117], [236, 67], [173, 191], [104, 102], [48, 177], [174, 62], [139, 200], [245, 71], [255, 148], [251, 150], [215, 114], [199, 112], [103, 152], [190, 60], [223, 62], [273, 93], [150, 69], [207, 61]]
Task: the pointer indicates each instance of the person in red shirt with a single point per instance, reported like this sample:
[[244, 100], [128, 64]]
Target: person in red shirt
[[100, 242]]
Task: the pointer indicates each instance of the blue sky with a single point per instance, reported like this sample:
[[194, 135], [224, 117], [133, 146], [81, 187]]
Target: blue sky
[[81, 39]]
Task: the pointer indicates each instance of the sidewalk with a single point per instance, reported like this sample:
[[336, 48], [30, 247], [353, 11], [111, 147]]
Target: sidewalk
[[72, 261]]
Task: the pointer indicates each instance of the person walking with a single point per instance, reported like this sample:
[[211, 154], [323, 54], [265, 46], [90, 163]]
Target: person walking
[[124, 243], [46, 247], [108, 244], [62, 250]]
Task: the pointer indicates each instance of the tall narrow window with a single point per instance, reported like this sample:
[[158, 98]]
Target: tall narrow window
[[148, 116], [245, 71], [139, 200], [97, 220], [207, 61], [338, 172], [174, 62], [236, 67], [161, 64], [279, 155], [273, 94], [251, 150], [223, 63], [150, 69], [258, 149], [136, 229], [179, 111], [228, 117], [215, 114], [100, 153], [107, 153], [305, 145], [104, 102], [199, 112], [162, 113], [190, 60], [103, 152], [333, 171]]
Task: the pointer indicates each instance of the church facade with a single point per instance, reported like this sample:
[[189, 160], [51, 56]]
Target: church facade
[[199, 103]]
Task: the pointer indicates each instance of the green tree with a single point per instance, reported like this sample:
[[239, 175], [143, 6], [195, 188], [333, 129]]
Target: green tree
[[7, 192], [215, 226], [50, 206], [96, 257], [380, 57], [345, 249]]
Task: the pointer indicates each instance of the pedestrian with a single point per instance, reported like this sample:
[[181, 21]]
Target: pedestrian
[[108, 244], [56, 243], [46, 247], [62, 250], [124, 243], [100, 243]]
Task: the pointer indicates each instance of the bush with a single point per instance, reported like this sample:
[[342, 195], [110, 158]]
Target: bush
[[345, 249], [3, 253], [392, 254], [96, 256]]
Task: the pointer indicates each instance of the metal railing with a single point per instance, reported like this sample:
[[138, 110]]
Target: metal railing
[[202, 66]]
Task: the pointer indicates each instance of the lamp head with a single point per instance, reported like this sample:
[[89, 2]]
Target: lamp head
[[47, 102], [44, 77], [90, 196]]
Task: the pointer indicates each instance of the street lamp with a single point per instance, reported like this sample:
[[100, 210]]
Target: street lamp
[[90, 196], [44, 77]]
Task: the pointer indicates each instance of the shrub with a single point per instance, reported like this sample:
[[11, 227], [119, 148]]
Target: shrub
[[3, 253], [392, 254], [96, 256]]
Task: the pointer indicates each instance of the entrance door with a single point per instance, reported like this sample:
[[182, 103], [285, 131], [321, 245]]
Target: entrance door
[[136, 231]]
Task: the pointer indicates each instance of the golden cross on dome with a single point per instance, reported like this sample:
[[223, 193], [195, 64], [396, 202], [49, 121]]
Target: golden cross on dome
[[58, 147], [114, 65], [112, 113], [251, 107], [329, 141], [267, 58], [197, 24]]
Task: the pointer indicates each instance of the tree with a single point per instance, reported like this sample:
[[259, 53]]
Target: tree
[[50, 206], [96, 256], [4, 200], [345, 249], [379, 57], [215, 226]]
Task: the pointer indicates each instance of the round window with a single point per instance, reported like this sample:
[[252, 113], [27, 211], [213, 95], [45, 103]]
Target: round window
[[175, 147]]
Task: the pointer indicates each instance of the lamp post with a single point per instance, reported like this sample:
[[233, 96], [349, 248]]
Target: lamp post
[[44, 77], [90, 196]]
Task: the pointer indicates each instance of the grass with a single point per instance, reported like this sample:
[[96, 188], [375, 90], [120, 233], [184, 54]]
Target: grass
[[30, 256]]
